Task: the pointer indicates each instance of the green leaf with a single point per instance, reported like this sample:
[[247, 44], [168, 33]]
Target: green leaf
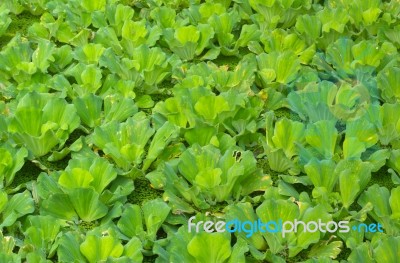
[[7, 244], [152, 64], [245, 212], [353, 178], [117, 108], [286, 133], [314, 101], [77, 178], [322, 135], [161, 139], [284, 65], [336, 19], [87, 204], [189, 41], [145, 102], [309, 25], [200, 134], [352, 148], [367, 134], [388, 122], [58, 205], [90, 53], [381, 205], [91, 79], [88, 108], [5, 20], [17, 206], [3, 200], [278, 161], [249, 33], [361, 254], [367, 53], [68, 249], [395, 178], [238, 251], [394, 160], [306, 238], [209, 107], [378, 159], [320, 173], [223, 25], [394, 202], [339, 54], [275, 210], [90, 6], [154, 212], [387, 82], [210, 247], [97, 249], [388, 250], [43, 55], [132, 250], [209, 178], [11, 161], [187, 34], [326, 249], [174, 111], [42, 231], [164, 16], [130, 222]]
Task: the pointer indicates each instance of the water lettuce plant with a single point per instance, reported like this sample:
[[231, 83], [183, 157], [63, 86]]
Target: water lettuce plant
[[41, 122]]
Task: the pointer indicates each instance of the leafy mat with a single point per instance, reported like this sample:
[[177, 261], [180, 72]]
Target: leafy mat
[[120, 120]]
